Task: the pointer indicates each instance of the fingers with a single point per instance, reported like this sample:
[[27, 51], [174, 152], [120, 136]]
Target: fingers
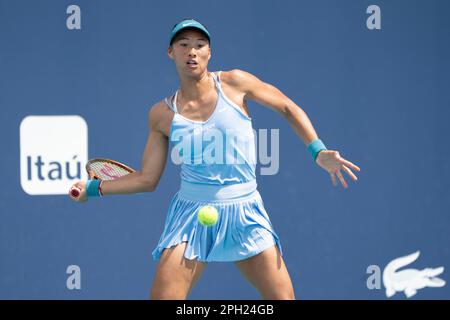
[[349, 164], [341, 178], [350, 173], [342, 164], [333, 179], [79, 184]]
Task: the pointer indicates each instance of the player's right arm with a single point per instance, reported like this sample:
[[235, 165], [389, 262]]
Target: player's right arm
[[153, 160]]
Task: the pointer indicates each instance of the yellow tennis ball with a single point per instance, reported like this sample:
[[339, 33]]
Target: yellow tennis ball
[[208, 215]]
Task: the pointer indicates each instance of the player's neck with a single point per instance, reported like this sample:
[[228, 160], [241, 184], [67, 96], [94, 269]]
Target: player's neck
[[195, 89]]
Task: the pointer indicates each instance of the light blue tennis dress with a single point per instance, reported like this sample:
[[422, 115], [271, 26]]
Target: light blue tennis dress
[[218, 161]]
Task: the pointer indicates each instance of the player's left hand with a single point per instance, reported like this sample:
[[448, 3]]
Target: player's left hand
[[333, 163]]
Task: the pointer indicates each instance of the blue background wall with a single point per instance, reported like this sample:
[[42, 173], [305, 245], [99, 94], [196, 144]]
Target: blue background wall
[[379, 97]]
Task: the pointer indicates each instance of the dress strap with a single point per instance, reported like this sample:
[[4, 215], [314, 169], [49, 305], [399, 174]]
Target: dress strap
[[171, 102], [216, 79], [224, 96]]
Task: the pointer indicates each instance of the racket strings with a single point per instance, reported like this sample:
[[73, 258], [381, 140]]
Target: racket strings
[[107, 170]]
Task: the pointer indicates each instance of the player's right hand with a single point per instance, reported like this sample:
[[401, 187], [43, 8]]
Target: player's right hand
[[80, 186]]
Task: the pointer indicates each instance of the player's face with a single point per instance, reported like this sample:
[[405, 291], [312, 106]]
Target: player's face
[[190, 52]]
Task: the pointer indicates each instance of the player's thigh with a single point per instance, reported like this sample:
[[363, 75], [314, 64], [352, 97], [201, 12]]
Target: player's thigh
[[268, 274], [175, 275]]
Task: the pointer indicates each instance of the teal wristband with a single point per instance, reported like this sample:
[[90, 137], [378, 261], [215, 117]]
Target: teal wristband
[[92, 188], [315, 147]]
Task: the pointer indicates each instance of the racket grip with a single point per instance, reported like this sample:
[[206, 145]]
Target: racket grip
[[75, 192]]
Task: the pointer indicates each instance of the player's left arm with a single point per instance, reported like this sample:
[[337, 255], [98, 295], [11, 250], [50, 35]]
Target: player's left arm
[[269, 96]]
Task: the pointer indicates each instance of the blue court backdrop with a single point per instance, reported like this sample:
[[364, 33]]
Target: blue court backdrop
[[380, 96]]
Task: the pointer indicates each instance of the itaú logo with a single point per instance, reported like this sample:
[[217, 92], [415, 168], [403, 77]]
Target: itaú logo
[[52, 151]]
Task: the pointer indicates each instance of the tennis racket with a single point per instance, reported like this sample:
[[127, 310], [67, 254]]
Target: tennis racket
[[103, 169]]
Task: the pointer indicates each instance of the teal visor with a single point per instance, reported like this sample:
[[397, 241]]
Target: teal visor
[[188, 24]]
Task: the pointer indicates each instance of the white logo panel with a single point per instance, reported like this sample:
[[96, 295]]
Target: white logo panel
[[53, 151]]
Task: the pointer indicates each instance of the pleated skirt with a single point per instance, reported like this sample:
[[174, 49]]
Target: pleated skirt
[[243, 228]]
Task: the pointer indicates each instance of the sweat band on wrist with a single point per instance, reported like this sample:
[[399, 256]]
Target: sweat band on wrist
[[315, 147], [92, 189]]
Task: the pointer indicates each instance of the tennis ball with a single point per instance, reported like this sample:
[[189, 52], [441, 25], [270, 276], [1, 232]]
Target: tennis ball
[[208, 215]]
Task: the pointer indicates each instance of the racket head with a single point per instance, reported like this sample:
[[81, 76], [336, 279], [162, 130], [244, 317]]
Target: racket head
[[107, 169]]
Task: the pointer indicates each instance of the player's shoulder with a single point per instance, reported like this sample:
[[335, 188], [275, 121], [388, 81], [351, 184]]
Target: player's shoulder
[[160, 111], [237, 77], [160, 108]]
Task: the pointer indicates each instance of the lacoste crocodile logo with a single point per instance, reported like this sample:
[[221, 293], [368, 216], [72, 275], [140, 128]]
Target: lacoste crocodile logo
[[409, 280]]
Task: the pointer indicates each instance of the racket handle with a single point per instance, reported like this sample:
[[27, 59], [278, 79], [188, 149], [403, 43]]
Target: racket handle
[[75, 192]]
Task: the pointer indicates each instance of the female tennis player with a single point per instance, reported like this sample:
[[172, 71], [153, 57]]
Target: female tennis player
[[207, 103]]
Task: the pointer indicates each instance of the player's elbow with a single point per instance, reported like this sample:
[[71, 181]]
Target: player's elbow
[[150, 186], [147, 183], [288, 109]]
